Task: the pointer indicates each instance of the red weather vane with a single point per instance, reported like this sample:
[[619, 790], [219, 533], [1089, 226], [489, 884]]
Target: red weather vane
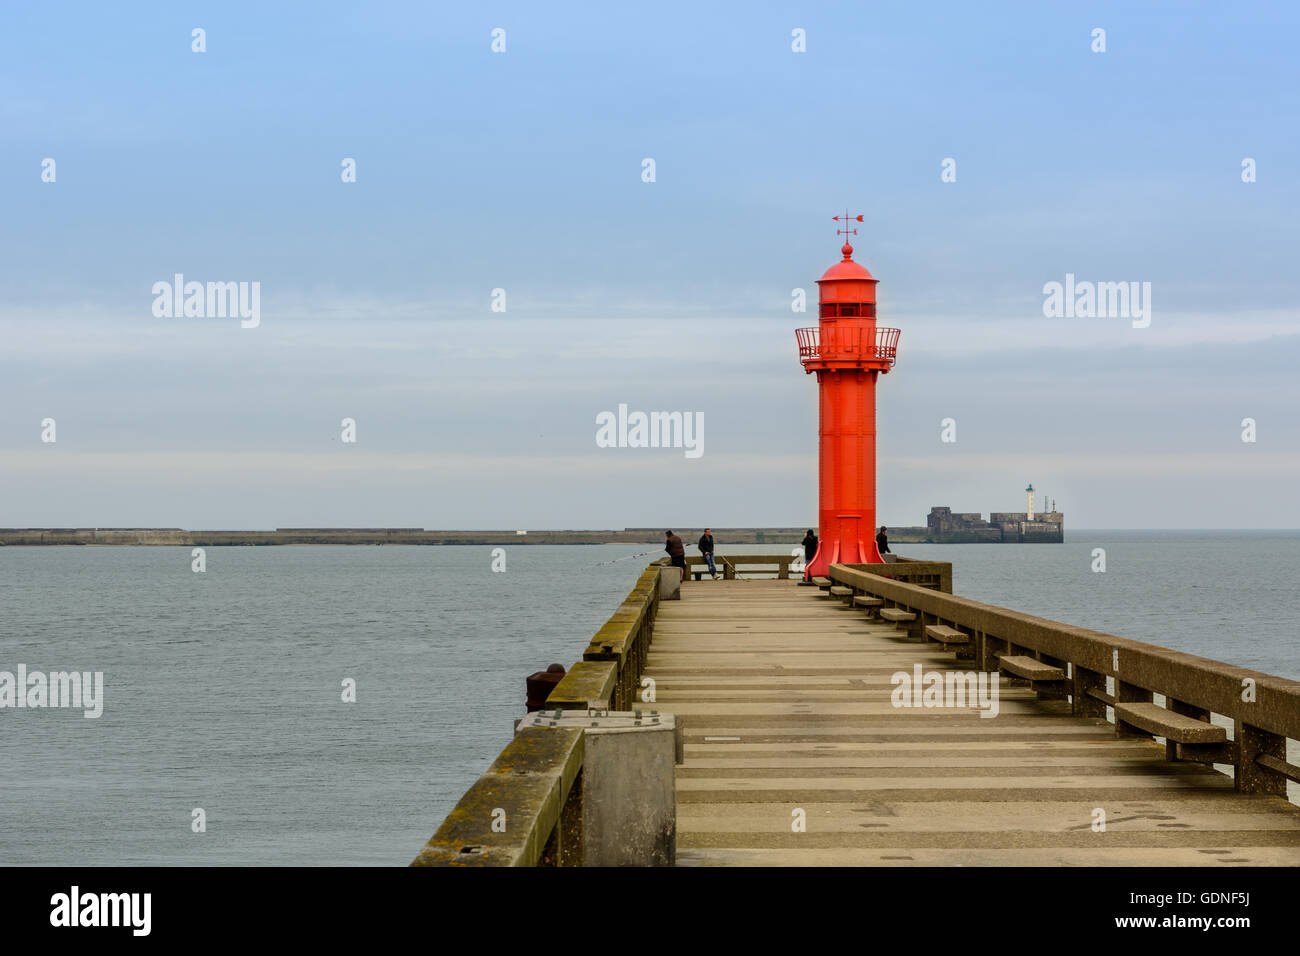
[[846, 219]]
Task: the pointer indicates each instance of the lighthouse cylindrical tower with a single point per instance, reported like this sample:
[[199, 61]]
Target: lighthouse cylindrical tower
[[848, 352]]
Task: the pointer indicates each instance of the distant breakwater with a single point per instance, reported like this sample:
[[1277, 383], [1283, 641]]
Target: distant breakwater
[[179, 537]]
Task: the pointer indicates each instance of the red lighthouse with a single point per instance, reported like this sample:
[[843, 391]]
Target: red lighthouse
[[848, 351]]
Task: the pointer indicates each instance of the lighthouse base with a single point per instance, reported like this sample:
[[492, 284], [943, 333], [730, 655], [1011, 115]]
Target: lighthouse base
[[842, 551]]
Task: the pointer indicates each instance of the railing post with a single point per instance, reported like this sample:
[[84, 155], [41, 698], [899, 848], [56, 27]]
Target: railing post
[[1252, 742], [922, 619], [916, 628], [1082, 703], [987, 648]]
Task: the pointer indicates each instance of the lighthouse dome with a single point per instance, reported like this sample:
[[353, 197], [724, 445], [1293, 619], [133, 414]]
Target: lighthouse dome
[[846, 268], [845, 286]]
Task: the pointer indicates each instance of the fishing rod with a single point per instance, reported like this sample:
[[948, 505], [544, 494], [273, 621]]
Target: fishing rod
[[627, 557]]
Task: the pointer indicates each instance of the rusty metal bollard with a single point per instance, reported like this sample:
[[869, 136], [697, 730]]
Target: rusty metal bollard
[[540, 686]]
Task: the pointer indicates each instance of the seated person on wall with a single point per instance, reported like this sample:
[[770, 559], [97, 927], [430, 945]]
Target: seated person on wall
[[882, 542]]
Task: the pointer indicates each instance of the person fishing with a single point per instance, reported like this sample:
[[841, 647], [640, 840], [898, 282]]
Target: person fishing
[[676, 552], [809, 546]]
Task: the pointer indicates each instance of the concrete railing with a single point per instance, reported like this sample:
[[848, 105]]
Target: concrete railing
[[1101, 671], [609, 674], [527, 809], [935, 575]]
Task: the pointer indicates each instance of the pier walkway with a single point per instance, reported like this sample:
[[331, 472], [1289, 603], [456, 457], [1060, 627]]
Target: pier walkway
[[796, 745], [785, 698]]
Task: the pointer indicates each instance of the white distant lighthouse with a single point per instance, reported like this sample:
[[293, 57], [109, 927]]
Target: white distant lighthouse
[[1029, 509]]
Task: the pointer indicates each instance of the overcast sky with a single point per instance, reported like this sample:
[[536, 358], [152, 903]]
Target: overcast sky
[[523, 171]]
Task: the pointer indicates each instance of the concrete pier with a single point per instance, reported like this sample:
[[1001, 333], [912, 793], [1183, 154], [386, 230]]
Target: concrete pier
[[801, 747]]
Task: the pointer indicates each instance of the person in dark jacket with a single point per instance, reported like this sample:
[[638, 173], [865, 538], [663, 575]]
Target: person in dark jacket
[[706, 549], [882, 540], [809, 546], [676, 552], [809, 552]]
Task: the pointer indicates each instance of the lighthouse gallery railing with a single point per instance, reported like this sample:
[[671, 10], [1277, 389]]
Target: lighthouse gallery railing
[[848, 343]]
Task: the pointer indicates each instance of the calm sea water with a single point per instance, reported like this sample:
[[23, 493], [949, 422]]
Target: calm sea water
[[223, 689]]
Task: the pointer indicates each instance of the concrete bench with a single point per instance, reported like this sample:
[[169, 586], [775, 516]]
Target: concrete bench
[[1165, 723], [945, 634], [896, 616], [822, 583], [863, 600], [1030, 669], [840, 591]]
